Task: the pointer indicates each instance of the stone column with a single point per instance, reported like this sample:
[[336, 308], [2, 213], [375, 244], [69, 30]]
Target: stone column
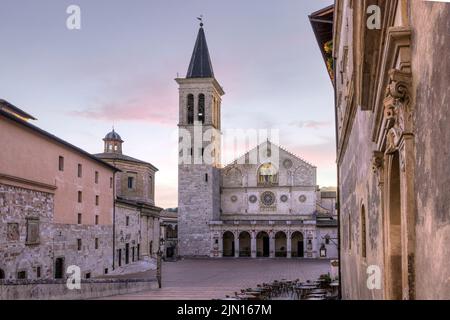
[[144, 238], [236, 245], [272, 246], [221, 245], [253, 244], [288, 245]]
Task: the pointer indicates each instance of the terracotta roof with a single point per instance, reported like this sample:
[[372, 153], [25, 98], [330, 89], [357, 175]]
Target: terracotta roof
[[6, 106], [122, 157]]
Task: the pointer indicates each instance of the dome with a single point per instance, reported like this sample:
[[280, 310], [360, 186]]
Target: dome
[[113, 136]]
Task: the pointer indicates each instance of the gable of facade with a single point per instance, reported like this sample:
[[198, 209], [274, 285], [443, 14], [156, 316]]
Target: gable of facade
[[281, 183]]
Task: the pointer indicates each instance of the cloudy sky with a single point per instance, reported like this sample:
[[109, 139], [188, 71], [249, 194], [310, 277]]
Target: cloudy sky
[[119, 70]]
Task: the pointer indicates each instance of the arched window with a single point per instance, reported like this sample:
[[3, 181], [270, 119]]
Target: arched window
[[267, 174], [363, 232], [201, 108], [190, 109]]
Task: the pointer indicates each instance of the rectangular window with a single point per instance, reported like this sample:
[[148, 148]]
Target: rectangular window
[[206, 177], [127, 221], [61, 163], [88, 275], [150, 186], [79, 218], [96, 176], [97, 200], [96, 219], [96, 243], [79, 244], [111, 182], [327, 241], [130, 182], [38, 272], [21, 275], [32, 231], [80, 196], [80, 170], [106, 271]]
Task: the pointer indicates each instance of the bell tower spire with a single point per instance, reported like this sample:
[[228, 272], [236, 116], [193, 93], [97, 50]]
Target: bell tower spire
[[200, 65], [199, 156]]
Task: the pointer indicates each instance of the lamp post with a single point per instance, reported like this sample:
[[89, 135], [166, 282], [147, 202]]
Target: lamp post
[[159, 262]]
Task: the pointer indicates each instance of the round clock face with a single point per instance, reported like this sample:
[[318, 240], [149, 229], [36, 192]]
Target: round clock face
[[287, 163], [302, 198], [284, 198], [252, 199], [268, 198], [233, 198]]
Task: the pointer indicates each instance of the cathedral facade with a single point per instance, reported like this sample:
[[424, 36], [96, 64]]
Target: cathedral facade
[[264, 204]]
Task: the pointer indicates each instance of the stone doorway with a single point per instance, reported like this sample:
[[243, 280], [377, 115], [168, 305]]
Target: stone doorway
[[395, 269]]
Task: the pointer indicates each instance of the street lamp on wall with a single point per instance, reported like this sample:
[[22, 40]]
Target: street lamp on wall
[[323, 251]]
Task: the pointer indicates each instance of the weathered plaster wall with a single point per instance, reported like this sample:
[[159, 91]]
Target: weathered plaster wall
[[127, 234], [431, 76], [359, 187]]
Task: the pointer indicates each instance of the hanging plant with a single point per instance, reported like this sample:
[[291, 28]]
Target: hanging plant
[[328, 47]]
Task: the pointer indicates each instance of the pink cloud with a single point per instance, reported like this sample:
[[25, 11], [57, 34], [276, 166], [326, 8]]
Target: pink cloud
[[320, 155], [156, 111]]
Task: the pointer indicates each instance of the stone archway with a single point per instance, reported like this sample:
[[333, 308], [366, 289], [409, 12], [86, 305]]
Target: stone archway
[[297, 244], [228, 244], [280, 244], [244, 244], [262, 244]]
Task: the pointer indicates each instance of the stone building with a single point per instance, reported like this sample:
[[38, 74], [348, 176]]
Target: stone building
[[263, 208], [169, 232], [56, 203], [137, 227], [390, 68]]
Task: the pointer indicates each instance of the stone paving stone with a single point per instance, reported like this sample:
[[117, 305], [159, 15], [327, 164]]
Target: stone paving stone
[[199, 279]]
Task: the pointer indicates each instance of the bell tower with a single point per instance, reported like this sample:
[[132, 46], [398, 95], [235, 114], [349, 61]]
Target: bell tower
[[199, 152]]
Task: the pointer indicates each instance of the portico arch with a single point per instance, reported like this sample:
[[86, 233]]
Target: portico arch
[[280, 244], [228, 244], [262, 244], [297, 245], [244, 244]]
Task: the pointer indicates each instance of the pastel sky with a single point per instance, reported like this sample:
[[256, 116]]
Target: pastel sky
[[120, 68]]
